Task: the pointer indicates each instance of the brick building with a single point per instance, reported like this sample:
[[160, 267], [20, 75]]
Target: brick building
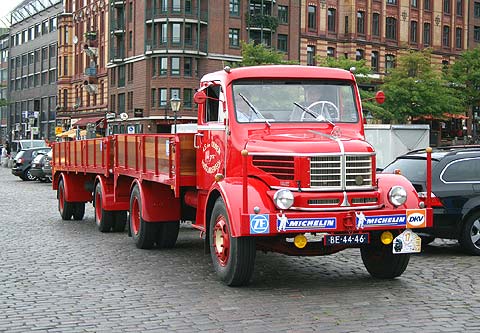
[[159, 50], [474, 28], [4, 40]]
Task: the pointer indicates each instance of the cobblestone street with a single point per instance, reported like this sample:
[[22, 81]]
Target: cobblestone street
[[66, 276]]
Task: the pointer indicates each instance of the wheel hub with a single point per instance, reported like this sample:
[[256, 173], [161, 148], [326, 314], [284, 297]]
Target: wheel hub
[[475, 234], [135, 217], [221, 241]]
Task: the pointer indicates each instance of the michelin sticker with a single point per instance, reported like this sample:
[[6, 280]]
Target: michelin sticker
[[378, 221], [286, 224], [259, 224]]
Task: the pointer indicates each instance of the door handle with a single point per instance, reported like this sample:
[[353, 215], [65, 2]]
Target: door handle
[[195, 140]]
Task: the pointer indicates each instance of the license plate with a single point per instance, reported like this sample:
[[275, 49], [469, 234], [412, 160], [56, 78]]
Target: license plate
[[347, 239]]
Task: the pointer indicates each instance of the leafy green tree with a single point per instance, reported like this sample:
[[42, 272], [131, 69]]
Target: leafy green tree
[[414, 89], [259, 54]]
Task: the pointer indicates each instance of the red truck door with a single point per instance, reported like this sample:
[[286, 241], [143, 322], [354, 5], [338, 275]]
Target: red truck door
[[211, 138]]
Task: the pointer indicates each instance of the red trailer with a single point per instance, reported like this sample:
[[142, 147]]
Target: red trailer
[[277, 162]]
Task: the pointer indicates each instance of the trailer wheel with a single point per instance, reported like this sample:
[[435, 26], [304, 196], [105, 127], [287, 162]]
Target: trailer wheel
[[381, 263], [103, 218], [120, 221], [233, 258], [78, 210], [167, 234], [143, 233], [65, 208]]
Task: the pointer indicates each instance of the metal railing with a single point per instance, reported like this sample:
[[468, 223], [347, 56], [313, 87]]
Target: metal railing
[[176, 44], [172, 12]]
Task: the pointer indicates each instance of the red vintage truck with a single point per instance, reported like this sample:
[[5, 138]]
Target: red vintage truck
[[276, 162]]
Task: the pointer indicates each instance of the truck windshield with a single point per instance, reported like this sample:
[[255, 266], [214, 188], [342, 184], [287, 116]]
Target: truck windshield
[[294, 101]]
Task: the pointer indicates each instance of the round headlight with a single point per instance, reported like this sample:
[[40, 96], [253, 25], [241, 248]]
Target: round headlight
[[397, 195], [283, 199]]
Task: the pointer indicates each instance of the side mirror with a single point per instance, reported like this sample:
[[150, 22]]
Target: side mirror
[[380, 97], [200, 97]]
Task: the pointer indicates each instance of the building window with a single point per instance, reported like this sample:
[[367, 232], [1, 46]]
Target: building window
[[359, 54], [312, 17], [121, 103], [391, 32], [374, 61], [234, 37], [175, 66], [446, 6], [130, 100], [413, 32], [163, 64], [130, 72], [283, 14], [45, 27], [152, 101], [476, 9], [282, 43], [162, 96], [331, 52], [414, 3], [176, 6], [331, 19], [188, 6], [459, 7], [187, 66], [187, 98], [458, 38], [53, 51], [392, 2], [174, 93], [361, 22], [234, 7], [426, 34], [188, 33], [176, 33], [130, 40], [476, 34], [310, 55], [389, 62], [53, 24], [446, 36], [376, 24], [164, 33], [121, 76], [426, 4]]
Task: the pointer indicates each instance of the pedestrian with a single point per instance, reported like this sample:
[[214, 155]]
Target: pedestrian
[[7, 146], [4, 156]]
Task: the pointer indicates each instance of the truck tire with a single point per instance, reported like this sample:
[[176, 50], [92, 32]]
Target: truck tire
[[65, 208], [167, 234], [470, 235], [143, 233], [78, 210], [381, 263], [103, 219], [120, 221], [233, 258]]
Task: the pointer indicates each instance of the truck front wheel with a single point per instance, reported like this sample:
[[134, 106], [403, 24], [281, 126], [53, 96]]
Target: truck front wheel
[[381, 263], [233, 258], [143, 233], [104, 219], [65, 208]]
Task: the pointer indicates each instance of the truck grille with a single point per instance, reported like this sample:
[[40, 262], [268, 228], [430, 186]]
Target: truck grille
[[326, 172], [280, 167]]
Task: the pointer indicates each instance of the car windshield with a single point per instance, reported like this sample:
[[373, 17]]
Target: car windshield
[[26, 144], [414, 169], [294, 101]]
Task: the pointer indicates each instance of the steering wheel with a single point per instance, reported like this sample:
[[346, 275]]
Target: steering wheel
[[329, 113]]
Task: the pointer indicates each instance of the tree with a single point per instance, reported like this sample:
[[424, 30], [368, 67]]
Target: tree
[[464, 75], [415, 89], [256, 55]]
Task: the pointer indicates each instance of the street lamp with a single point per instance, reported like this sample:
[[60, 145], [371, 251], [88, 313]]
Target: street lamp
[[175, 103]]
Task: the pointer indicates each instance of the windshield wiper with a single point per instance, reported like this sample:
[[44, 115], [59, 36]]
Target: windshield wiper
[[315, 115], [254, 109]]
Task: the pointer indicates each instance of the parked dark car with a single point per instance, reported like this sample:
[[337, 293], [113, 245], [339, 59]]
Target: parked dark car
[[47, 167], [23, 160], [455, 190], [37, 167]]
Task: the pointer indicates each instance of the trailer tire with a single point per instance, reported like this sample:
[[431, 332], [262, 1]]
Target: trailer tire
[[65, 208], [120, 221], [78, 210], [143, 233], [381, 263], [104, 219], [233, 258], [167, 234]]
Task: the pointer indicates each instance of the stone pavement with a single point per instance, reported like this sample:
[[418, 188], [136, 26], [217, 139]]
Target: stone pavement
[[65, 276]]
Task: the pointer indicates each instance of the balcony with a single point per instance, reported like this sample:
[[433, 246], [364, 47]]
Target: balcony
[[175, 45], [262, 22], [91, 71], [171, 13], [117, 26], [117, 54], [117, 3]]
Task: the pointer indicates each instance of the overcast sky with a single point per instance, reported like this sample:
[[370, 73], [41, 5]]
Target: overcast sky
[[6, 6]]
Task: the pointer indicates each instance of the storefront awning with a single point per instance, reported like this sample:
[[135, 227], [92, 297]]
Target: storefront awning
[[445, 116], [89, 120], [72, 133]]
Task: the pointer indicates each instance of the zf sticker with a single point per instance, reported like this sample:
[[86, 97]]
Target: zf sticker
[[259, 224], [416, 218]]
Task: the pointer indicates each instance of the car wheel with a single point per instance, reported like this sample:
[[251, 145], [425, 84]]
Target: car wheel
[[28, 175], [470, 236]]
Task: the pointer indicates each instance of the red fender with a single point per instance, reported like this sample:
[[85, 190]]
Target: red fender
[[75, 189], [158, 202], [386, 181], [231, 191]]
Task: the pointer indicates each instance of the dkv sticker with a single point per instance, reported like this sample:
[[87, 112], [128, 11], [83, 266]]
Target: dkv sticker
[[416, 218]]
